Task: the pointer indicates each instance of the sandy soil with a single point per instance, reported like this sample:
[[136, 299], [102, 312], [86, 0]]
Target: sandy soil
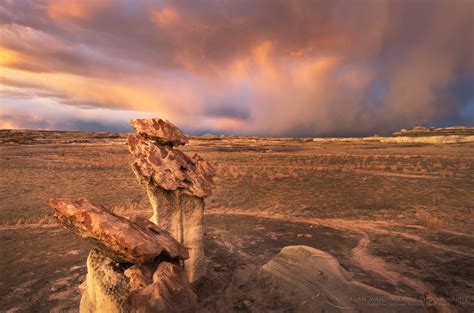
[[398, 217]]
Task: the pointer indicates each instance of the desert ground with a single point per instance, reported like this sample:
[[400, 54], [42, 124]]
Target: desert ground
[[398, 216]]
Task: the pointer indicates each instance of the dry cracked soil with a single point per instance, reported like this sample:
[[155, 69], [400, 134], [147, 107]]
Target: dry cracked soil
[[398, 217]]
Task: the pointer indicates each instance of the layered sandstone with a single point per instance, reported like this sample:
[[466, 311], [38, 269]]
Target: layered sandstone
[[316, 279], [176, 185]]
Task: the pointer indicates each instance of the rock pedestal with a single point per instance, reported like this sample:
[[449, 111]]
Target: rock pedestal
[[136, 266], [176, 185], [182, 215]]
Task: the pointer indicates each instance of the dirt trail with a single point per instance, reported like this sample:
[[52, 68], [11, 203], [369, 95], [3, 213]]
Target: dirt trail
[[377, 265]]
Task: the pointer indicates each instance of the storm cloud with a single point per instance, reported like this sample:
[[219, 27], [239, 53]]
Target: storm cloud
[[304, 68]]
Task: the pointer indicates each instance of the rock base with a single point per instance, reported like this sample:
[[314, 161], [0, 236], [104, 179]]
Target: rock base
[[113, 287]]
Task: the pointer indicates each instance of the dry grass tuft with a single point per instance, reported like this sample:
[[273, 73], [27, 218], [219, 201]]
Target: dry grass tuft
[[132, 207], [430, 221], [32, 220]]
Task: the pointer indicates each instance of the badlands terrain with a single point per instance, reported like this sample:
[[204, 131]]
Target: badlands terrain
[[396, 212]]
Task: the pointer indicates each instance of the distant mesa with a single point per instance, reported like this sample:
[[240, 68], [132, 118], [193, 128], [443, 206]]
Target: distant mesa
[[422, 131], [164, 133]]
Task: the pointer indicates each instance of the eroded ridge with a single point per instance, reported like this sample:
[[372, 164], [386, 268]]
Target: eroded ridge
[[176, 185]]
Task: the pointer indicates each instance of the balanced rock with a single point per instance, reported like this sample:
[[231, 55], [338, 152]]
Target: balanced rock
[[176, 185], [136, 265], [159, 130], [119, 238]]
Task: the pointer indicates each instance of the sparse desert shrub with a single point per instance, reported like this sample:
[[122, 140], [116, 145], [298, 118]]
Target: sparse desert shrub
[[135, 206], [430, 221], [30, 220]]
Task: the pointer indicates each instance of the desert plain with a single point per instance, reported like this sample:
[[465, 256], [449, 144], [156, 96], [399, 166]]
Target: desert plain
[[397, 215]]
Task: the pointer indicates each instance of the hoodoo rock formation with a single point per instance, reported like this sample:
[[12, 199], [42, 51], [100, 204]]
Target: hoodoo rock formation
[[136, 265], [176, 185]]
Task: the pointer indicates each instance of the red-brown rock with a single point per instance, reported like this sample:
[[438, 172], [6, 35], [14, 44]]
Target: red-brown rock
[[118, 237], [169, 168], [139, 276], [169, 292], [159, 130]]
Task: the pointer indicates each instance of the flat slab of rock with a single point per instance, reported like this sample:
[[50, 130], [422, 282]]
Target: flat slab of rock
[[119, 238], [159, 130], [316, 279], [169, 168]]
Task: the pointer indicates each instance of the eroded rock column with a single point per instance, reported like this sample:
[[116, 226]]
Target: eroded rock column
[[176, 185]]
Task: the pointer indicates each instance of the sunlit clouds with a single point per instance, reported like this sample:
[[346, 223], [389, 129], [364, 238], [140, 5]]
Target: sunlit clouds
[[237, 67], [64, 10]]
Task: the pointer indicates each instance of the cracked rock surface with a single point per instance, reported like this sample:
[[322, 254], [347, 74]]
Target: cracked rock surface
[[119, 238]]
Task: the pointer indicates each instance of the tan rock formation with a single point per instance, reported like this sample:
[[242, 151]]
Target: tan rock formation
[[176, 185], [316, 279], [111, 288], [106, 289]]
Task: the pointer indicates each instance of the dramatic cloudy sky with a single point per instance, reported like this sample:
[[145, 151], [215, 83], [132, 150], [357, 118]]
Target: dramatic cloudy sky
[[306, 68]]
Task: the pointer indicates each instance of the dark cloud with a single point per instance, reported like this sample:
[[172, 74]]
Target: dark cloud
[[306, 67], [229, 111], [94, 126]]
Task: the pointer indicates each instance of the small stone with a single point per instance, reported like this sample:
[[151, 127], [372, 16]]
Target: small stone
[[304, 235]]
